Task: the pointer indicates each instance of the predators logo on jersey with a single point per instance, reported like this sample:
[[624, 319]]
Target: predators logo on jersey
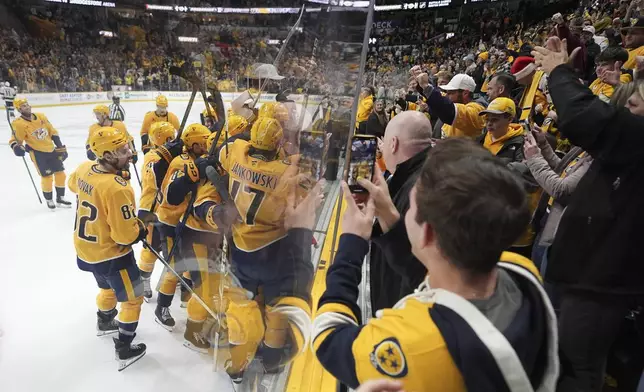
[[259, 189], [40, 134], [106, 223], [388, 358], [36, 133]]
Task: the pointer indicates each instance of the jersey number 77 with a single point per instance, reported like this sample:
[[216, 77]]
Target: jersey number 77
[[249, 201]]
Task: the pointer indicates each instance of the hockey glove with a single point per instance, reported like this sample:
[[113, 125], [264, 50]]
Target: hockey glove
[[18, 150], [202, 164], [192, 172], [90, 154], [62, 153], [170, 150], [143, 231], [145, 143]]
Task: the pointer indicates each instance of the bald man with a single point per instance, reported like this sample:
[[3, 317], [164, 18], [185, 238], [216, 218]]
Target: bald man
[[394, 271]]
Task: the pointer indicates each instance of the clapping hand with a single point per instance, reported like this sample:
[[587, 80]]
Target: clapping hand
[[611, 76], [554, 54], [302, 215]]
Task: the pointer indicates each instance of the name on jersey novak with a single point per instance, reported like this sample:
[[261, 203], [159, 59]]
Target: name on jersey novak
[[85, 187], [263, 180]]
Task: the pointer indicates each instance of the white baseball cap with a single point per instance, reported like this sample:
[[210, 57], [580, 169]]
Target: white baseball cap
[[589, 29], [460, 82], [268, 71]]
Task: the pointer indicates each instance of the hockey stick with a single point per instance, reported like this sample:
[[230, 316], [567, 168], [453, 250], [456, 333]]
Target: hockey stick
[[23, 159], [176, 274], [354, 113], [136, 171], [280, 54]]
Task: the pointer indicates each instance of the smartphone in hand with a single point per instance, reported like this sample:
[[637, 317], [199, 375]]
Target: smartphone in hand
[[362, 161]]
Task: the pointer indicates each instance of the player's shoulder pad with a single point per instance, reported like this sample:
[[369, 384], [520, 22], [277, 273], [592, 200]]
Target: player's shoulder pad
[[120, 180]]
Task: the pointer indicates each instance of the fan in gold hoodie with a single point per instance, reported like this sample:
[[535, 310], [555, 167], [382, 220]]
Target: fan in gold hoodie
[[365, 107], [501, 137]]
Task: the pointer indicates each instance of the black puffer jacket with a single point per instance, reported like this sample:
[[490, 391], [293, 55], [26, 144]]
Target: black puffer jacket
[[598, 246], [394, 272]]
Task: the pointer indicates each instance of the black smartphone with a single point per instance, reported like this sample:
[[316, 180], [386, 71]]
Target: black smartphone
[[313, 148], [362, 161]]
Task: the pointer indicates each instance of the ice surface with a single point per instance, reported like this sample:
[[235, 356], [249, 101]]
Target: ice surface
[[48, 310]]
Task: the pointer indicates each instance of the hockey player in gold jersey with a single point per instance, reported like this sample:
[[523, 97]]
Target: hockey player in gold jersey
[[106, 227], [259, 184], [200, 243], [194, 139], [160, 133], [160, 114], [47, 152], [102, 113]]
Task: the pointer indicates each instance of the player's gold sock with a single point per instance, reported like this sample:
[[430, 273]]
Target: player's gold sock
[[46, 184]]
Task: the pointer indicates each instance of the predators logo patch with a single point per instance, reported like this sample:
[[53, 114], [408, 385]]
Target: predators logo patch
[[388, 358]]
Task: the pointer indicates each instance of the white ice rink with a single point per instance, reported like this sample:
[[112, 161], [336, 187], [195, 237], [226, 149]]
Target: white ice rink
[[48, 311]]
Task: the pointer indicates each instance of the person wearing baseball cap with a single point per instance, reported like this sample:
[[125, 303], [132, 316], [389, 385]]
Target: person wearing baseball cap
[[501, 137], [634, 42], [457, 110]]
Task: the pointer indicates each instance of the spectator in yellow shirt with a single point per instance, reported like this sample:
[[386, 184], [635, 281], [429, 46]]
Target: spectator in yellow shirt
[[365, 107], [634, 42], [458, 111]]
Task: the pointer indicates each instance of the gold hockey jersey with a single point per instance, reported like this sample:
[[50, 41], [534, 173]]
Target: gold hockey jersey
[[36, 133], [106, 222], [151, 117], [260, 189], [167, 213], [148, 181]]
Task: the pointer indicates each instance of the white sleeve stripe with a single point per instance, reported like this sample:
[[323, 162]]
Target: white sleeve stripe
[[549, 380], [329, 320], [455, 114], [300, 319]]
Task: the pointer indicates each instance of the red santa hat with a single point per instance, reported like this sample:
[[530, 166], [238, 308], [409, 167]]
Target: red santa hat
[[522, 67]]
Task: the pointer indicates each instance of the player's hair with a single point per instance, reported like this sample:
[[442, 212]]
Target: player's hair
[[473, 202], [506, 80]]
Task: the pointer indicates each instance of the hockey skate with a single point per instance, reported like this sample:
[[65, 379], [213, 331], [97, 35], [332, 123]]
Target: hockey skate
[[62, 203], [194, 340], [128, 353], [163, 317], [106, 323], [147, 289], [51, 205]]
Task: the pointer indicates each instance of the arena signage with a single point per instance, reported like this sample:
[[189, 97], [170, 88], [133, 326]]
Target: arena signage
[[93, 3]]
